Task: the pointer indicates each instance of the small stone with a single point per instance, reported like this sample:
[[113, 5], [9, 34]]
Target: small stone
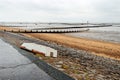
[[60, 62], [40, 57], [60, 69], [58, 66], [91, 75], [99, 77], [87, 68], [81, 72], [72, 67], [93, 71]]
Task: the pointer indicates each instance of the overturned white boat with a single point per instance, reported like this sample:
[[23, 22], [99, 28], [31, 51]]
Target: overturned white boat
[[41, 49]]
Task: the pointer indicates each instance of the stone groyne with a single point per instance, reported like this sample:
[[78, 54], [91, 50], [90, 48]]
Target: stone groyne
[[47, 30]]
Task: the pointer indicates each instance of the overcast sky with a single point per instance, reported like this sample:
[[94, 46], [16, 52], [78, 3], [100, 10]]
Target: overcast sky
[[60, 10]]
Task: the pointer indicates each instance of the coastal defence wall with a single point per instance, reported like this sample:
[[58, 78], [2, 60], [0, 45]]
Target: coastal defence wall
[[47, 30]]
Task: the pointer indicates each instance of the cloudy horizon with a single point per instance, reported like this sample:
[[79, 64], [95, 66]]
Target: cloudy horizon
[[60, 10]]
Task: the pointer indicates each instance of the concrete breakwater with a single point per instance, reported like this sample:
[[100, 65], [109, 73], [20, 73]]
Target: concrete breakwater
[[47, 30], [49, 27]]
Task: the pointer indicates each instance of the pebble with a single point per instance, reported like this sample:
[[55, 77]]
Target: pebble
[[60, 69], [99, 77], [58, 66], [60, 62], [93, 71]]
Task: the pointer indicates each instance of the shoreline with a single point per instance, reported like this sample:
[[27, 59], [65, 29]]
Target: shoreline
[[102, 65]]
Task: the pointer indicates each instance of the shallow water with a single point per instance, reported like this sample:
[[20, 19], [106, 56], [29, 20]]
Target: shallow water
[[111, 34], [106, 29]]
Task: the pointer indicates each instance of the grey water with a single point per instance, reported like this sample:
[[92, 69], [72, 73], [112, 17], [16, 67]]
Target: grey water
[[109, 34]]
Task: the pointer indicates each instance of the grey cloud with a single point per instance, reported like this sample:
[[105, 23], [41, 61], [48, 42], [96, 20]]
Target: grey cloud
[[60, 10], [108, 6]]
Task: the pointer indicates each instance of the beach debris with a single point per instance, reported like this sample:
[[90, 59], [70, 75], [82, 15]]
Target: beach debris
[[39, 49]]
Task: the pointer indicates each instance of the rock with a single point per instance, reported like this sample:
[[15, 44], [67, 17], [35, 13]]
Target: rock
[[58, 66], [93, 71], [60, 69], [72, 67], [91, 75], [60, 62], [99, 77], [87, 68]]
